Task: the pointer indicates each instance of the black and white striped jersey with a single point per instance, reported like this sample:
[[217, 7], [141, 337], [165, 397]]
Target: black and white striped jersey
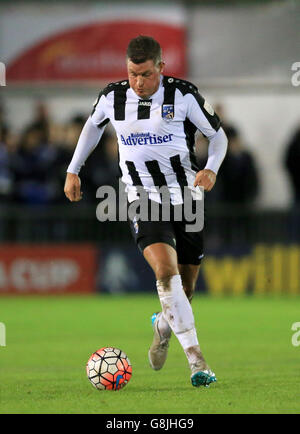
[[156, 135]]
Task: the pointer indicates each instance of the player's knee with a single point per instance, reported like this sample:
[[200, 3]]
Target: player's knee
[[164, 273]]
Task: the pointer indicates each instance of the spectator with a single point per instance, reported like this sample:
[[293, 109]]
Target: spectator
[[33, 168], [215, 196], [41, 120], [102, 167], [6, 179], [2, 117], [221, 112], [238, 175], [238, 188], [292, 164]]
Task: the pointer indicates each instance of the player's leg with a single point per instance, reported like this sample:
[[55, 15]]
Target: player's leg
[[189, 246], [160, 235], [157, 242], [189, 275], [176, 308], [163, 260]]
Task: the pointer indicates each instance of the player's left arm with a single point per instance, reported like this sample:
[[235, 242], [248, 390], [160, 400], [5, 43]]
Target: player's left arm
[[203, 116], [216, 152]]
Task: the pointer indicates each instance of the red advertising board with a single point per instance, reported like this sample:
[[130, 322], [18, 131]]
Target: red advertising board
[[96, 51], [47, 269]]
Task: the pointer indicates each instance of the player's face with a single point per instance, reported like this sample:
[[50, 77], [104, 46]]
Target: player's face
[[144, 77]]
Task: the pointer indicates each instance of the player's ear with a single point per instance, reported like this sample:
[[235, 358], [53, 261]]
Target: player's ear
[[161, 67]]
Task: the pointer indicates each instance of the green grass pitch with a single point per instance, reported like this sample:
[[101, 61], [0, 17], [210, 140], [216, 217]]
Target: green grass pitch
[[247, 341]]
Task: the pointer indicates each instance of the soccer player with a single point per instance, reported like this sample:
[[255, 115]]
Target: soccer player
[[155, 118]]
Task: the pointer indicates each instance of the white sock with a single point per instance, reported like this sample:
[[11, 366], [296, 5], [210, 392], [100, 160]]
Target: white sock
[[178, 311], [163, 324]]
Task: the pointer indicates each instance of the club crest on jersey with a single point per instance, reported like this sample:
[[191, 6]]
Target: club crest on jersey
[[168, 111]]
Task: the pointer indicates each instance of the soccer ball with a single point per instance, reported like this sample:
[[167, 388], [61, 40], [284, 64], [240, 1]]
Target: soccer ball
[[109, 369]]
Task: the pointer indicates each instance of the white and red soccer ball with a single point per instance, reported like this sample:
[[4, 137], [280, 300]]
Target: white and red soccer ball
[[109, 369]]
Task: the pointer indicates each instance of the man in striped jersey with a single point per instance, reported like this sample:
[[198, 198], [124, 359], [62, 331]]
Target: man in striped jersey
[[155, 118]]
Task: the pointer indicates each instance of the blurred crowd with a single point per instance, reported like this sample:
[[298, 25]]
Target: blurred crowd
[[238, 181], [33, 162]]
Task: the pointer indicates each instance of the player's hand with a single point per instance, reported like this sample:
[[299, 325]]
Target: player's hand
[[206, 178], [72, 187]]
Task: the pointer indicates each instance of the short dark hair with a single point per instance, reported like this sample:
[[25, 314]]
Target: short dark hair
[[143, 48]]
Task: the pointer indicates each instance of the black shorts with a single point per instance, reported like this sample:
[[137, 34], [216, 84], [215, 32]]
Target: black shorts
[[188, 245]]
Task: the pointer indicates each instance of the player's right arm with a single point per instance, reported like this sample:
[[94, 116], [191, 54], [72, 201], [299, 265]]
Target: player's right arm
[[88, 140]]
